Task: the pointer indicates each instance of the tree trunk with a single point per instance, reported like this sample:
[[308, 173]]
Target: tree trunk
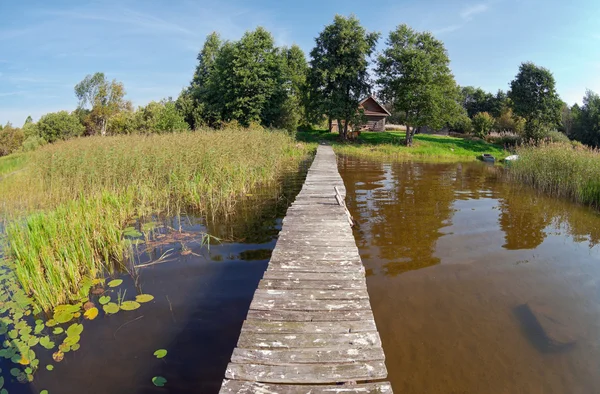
[[330, 122], [346, 128], [341, 129], [103, 127]]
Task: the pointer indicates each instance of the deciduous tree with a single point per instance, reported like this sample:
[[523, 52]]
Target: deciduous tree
[[60, 125], [338, 77], [415, 76], [534, 98]]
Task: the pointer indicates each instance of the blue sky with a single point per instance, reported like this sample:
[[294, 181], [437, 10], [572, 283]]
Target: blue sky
[[47, 46]]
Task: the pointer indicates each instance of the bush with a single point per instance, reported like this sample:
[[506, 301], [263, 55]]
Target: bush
[[33, 142], [462, 124], [57, 126], [11, 139], [162, 117], [505, 138], [557, 136], [483, 124]]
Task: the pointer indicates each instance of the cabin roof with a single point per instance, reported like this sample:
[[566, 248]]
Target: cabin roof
[[383, 111]]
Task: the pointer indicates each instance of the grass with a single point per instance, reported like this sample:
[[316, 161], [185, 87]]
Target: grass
[[12, 163], [560, 170], [390, 146], [75, 198]]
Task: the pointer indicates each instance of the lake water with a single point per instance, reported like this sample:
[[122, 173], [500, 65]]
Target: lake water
[[477, 286]]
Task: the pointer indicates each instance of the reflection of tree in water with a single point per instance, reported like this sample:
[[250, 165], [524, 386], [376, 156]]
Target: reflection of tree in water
[[400, 209], [523, 219]]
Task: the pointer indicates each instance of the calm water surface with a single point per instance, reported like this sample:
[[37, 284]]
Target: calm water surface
[[477, 286], [201, 300]]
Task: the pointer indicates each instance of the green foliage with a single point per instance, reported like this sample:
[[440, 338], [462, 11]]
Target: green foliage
[[534, 98], [338, 77], [105, 98], [11, 139], [508, 122], [415, 76], [162, 117], [586, 126], [33, 142], [557, 136], [560, 170], [476, 100], [59, 126], [482, 124], [160, 353]]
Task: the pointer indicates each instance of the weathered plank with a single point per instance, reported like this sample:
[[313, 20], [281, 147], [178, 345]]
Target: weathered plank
[[311, 284], [301, 373], [309, 305], [320, 266], [306, 355], [314, 316], [246, 387], [354, 340], [269, 274], [297, 327], [312, 294]]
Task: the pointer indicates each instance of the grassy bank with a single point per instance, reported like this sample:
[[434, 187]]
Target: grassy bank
[[390, 146], [11, 163], [560, 170], [74, 198]]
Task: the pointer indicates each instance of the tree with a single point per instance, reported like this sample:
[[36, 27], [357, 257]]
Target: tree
[[60, 125], [415, 76], [566, 119], [534, 98], [11, 139], [482, 124], [288, 104], [161, 117], [587, 120], [338, 77], [105, 98]]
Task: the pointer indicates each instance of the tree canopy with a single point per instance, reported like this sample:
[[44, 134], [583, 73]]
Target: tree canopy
[[534, 98], [415, 76], [338, 76]]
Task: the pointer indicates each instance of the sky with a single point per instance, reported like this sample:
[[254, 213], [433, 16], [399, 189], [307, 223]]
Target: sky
[[48, 46]]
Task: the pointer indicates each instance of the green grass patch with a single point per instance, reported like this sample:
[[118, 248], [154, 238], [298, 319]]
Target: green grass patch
[[11, 163], [71, 204], [560, 170], [390, 146]]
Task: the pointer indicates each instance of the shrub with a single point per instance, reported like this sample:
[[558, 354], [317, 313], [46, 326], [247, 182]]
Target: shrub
[[162, 117], [11, 139], [557, 136], [33, 142], [59, 126], [505, 138], [483, 123]]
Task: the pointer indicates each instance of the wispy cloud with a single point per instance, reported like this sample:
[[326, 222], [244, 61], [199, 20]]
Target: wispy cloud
[[469, 12], [466, 15]]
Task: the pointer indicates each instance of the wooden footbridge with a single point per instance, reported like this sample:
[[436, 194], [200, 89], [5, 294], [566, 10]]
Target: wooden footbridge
[[310, 328]]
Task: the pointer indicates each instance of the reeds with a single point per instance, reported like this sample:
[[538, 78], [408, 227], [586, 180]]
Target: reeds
[[560, 170], [76, 197]]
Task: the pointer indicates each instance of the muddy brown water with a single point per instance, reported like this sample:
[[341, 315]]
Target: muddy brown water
[[477, 285]]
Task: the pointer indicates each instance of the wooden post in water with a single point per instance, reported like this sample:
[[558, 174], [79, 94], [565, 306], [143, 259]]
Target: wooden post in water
[[310, 328]]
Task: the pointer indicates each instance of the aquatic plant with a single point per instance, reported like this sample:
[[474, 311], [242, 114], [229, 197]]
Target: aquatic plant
[[567, 170], [90, 189]]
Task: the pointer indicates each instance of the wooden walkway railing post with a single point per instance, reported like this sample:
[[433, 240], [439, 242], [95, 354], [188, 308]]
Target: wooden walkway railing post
[[310, 328]]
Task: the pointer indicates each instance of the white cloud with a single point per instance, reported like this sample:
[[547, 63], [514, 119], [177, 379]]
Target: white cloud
[[469, 12], [447, 29]]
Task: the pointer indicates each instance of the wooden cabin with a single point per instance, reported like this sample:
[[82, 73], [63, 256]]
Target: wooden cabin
[[375, 114]]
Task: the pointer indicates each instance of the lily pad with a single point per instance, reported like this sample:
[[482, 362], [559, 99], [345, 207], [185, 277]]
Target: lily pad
[[44, 392], [57, 330], [64, 317], [15, 372], [51, 323], [1, 381], [129, 305], [39, 328], [91, 313], [46, 342], [72, 340], [58, 356], [104, 300], [13, 334], [64, 347], [33, 341], [115, 282], [160, 353], [131, 232], [75, 330], [49, 367], [75, 347], [111, 308], [159, 381], [144, 298]]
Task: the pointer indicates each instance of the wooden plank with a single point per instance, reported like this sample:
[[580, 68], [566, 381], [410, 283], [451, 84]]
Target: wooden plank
[[313, 276], [354, 340], [309, 305], [322, 266], [307, 373], [306, 356], [246, 387], [312, 294], [312, 284], [314, 316], [297, 327]]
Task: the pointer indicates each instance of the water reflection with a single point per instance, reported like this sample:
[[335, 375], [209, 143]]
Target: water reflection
[[477, 286]]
